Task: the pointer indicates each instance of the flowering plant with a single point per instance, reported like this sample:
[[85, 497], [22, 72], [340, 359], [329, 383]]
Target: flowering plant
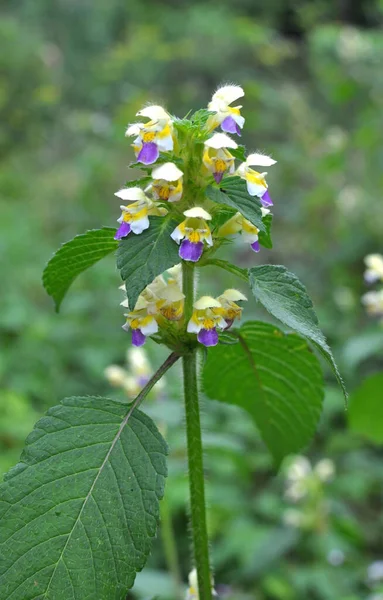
[[83, 504]]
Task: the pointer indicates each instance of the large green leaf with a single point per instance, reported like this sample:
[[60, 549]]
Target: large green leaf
[[141, 258], [233, 192], [366, 409], [276, 378], [74, 257], [79, 511], [285, 297]]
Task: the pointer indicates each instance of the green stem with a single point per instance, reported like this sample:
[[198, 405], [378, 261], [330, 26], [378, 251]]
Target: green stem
[[195, 454], [170, 548]]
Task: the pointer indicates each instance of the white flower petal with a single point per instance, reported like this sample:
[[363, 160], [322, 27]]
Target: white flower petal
[[220, 140], [177, 235], [134, 129], [233, 295], [206, 302], [264, 211], [209, 240], [125, 303], [150, 328], [153, 112], [193, 327], [165, 144], [259, 160], [131, 194], [197, 212], [249, 238], [239, 119], [255, 189], [140, 225], [228, 93], [168, 171]]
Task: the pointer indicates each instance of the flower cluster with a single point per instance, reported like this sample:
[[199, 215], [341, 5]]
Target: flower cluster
[[162, 303], [137, 374], [182, 159], [373, 300], [158, 136], [305, 486]]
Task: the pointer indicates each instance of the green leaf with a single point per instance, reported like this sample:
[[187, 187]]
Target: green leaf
[[365, 414], [239, 153], [138, 182], [276, 378], [141, 258], [79, 511], [265, 236], [228, 338], [74, 257], [233, 192], [285, 297], [221, 215]]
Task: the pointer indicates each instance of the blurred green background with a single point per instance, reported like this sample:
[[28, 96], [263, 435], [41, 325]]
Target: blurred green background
[[73, 74]]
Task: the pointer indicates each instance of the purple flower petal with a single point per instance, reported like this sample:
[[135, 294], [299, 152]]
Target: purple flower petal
[[208, 337], [122, 231], [218, 176], [190, 251], [138, 338], [148, 153], [255, 246], [228, 125], [266, 200]]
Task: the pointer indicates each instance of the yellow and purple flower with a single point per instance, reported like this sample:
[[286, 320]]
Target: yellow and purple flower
[[192, 233], [167, 183], [256, 182], [135, 217], [206, 318], [142, 324], [152, 137], [238, 224], [228, 117], [161, 299], [231, 310], [216, 158]]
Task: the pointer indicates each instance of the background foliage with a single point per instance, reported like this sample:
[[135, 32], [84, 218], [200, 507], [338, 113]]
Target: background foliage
[[73, 74]]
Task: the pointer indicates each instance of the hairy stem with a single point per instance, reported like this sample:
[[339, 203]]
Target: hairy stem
[[195, 454]]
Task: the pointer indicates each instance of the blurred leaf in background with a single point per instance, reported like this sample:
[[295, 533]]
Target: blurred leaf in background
[[73, 75]]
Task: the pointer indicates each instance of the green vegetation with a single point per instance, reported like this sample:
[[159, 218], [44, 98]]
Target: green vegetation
[[73, 75]]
